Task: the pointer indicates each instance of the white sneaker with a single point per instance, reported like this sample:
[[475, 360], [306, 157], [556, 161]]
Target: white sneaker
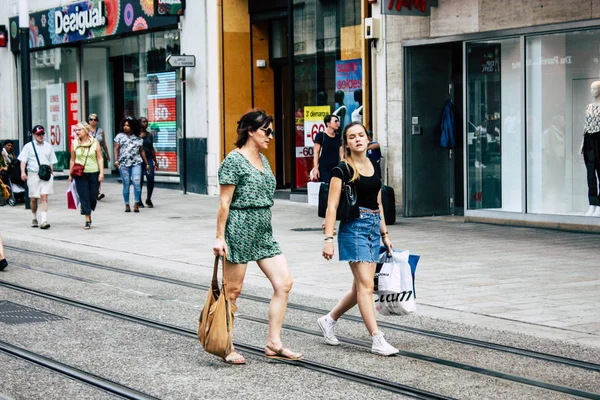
[[590, 211], [327, 325], [381, 346]]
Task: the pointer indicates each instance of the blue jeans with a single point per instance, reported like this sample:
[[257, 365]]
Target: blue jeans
[[358, 239], [131, 175], [87, 189]]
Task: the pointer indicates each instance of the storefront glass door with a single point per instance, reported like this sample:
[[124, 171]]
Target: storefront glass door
[[55, 97]]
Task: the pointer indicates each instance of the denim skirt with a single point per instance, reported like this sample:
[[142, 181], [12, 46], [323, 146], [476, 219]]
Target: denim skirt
[[358, 239]]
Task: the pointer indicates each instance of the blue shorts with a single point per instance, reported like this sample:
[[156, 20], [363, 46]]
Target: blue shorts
[[358, 239]]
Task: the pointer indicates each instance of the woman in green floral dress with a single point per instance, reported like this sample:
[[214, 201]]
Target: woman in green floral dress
[[244, 231]]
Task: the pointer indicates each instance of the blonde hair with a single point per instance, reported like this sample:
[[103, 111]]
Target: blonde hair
[[84, 125], [347, 153], [93, 116]]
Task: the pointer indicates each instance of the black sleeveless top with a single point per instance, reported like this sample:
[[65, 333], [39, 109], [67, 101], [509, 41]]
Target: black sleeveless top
[[367, 187]]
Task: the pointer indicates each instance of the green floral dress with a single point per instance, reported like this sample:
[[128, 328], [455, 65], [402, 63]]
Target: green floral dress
[[248, 232]]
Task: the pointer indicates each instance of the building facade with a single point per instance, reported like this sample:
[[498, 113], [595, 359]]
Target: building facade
[[517, 76], [108, 57]]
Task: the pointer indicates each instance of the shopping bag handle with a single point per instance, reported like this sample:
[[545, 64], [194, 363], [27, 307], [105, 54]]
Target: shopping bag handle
[[215, 281]]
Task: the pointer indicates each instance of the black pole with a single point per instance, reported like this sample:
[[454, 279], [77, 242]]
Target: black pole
[[292, 86], [25, 93], [184, 169]]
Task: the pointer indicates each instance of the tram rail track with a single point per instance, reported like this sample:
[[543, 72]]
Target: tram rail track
[[74, 373], [356, 377], [403, 328], [365, 345]]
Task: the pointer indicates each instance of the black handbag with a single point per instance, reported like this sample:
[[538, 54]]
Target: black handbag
[[44, 172], [348, 204]]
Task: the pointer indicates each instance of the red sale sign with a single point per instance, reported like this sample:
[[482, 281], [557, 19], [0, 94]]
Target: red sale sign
[[72, 111]]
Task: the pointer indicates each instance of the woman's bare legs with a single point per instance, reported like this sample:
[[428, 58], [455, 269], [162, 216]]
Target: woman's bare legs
[[277, 271], [361, 294], [3, 262], [234, 274]]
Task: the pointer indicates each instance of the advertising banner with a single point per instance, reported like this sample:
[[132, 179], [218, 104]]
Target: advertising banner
[[313, 123], [55, 116], [348, 89], [72, 111], [162, 117], [309, 122], [169, 7], [88, 20]]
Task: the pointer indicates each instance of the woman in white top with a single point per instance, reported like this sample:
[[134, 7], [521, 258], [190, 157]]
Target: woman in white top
[[98, 134]]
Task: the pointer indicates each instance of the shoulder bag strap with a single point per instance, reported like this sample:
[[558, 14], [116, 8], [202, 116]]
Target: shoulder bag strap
[[215, 282], [35, 152], [88, 153]]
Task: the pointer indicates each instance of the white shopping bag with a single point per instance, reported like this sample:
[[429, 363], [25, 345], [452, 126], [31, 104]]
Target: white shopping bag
[[394, 289], [72, 196], [387, 273], [313, 193]]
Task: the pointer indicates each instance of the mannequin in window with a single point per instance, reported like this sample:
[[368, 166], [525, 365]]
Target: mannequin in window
[[591, 149], [357, 115], [340, 111]]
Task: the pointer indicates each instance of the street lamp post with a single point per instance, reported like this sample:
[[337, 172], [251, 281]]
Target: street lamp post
[[25, 76]]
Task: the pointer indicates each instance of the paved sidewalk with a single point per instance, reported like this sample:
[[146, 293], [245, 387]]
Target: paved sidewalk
[[540, 282]]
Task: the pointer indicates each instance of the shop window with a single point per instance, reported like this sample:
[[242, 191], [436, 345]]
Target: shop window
[[55, 97], [494, 140], [151, 89], [560, 70], [326, 75]]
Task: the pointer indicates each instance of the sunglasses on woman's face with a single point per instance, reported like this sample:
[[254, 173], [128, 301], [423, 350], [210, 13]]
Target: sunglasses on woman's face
[[268, 131], [93, 119]]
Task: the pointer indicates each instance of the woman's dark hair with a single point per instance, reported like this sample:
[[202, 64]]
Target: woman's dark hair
[[134, 124], [250, 122], [7, 141]]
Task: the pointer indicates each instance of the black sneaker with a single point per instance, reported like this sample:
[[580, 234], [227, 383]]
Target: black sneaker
[[45, 225], [149, 203], [140, 204], [3, 264]]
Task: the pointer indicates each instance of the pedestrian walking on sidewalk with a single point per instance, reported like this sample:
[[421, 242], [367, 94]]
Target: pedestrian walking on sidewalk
[[3, 262], [148, 138], [35, 154], [244, 231], [359, 238], [87, 152], [129, 155], [98, 134]]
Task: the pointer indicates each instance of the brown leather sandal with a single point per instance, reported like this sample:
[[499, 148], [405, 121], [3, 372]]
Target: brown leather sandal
[[280, 354]]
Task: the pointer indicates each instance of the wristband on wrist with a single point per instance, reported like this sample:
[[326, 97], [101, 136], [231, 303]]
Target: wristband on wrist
[[328, 239], [384, 234]]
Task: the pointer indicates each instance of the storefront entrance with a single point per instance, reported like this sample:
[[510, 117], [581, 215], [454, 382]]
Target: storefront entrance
[[433, 178]]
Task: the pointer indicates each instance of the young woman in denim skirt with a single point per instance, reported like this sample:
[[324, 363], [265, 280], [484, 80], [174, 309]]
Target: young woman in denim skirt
[[358, 239]]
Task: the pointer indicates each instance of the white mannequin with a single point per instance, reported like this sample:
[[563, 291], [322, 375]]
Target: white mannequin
[[594, 211]]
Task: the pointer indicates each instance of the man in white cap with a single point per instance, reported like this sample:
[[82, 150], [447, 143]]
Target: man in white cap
[[30, 167]]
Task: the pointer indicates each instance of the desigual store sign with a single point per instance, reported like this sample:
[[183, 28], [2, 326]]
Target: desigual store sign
[[88, 20]]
